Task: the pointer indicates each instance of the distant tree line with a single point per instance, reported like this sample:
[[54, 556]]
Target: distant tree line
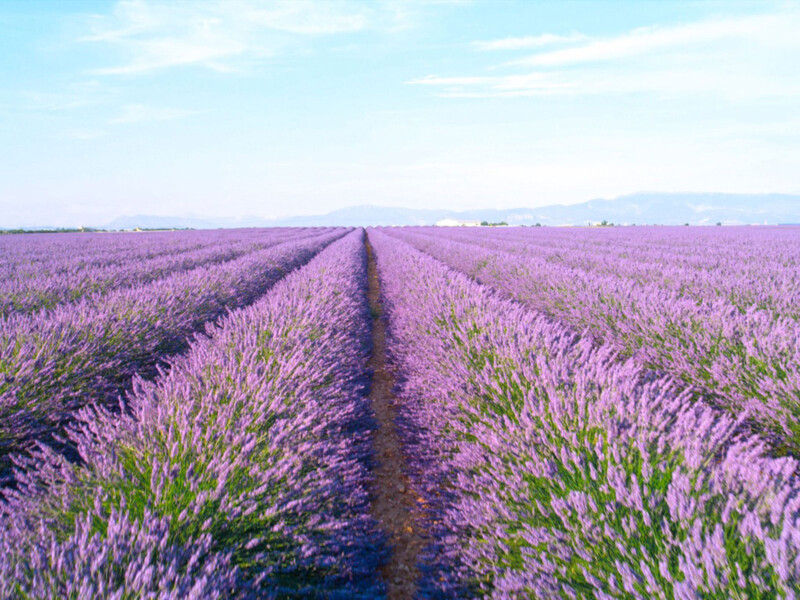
[[89, 230], [54, 230]]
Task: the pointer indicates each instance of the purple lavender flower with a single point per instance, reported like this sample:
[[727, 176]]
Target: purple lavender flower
[[554, 467], [241, 473]]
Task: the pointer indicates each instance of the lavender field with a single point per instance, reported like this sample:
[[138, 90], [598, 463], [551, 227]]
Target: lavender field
[[401, 412]]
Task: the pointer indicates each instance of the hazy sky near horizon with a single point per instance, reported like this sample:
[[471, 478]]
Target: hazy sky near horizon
[[275, 108]]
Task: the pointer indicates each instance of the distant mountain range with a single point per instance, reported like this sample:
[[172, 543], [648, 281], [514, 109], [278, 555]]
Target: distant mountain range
[[639, 209]]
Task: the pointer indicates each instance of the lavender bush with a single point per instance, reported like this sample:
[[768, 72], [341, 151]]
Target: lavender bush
[[600, 415], [240, 474], [717, 310], [53, 363], [28, 285], [552, 468]]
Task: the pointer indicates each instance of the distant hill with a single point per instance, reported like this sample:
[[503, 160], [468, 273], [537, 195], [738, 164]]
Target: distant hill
[[677, 209], [640, 209]]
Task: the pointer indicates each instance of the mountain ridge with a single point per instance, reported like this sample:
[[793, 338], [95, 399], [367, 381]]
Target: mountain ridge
[[641, 208], [644, 208]]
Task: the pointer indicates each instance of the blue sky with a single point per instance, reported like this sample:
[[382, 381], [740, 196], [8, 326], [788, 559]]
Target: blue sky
[[239, 107]]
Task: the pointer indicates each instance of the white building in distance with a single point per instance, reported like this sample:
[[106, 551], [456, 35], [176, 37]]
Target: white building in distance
[[457, 223]]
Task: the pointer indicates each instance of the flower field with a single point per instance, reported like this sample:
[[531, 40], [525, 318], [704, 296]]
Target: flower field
[[585, 413]]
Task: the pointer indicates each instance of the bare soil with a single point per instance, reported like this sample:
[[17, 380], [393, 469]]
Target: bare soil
[[395, 504]]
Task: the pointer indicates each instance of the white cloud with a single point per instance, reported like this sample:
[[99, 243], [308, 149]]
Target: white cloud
[[74, 96], [139, 113], [768, 29], [449, 81], [742, 58], [221, 35], [666, 81], [306, 17], [157, 36], [536, 41], [53, 101]]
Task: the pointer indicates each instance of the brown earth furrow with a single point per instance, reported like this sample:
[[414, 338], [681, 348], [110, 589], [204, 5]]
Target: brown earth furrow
[[394, 502]]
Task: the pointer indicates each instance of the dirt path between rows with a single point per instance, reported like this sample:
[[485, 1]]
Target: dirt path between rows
[[394, 501]]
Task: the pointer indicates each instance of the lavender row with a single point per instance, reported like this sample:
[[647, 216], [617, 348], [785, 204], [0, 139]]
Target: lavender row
[[240, 474], [53, 363], [43, 251], [744, 266], [41, 288], [746, 362], [550, 468]]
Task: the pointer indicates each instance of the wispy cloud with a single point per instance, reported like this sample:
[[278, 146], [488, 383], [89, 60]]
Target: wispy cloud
[[306, 17], [220, 35], [77, 95], [453, 81], [522, 43], [139, 113], [746, 57], [53, 101], [769, 28], [674, 81], [499, 86]]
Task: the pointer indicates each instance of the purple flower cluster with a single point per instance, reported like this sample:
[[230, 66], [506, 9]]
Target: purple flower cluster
[[551, 466], [239, 474], [717, 309], [28, 283], [585, 414], [54, 362]]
